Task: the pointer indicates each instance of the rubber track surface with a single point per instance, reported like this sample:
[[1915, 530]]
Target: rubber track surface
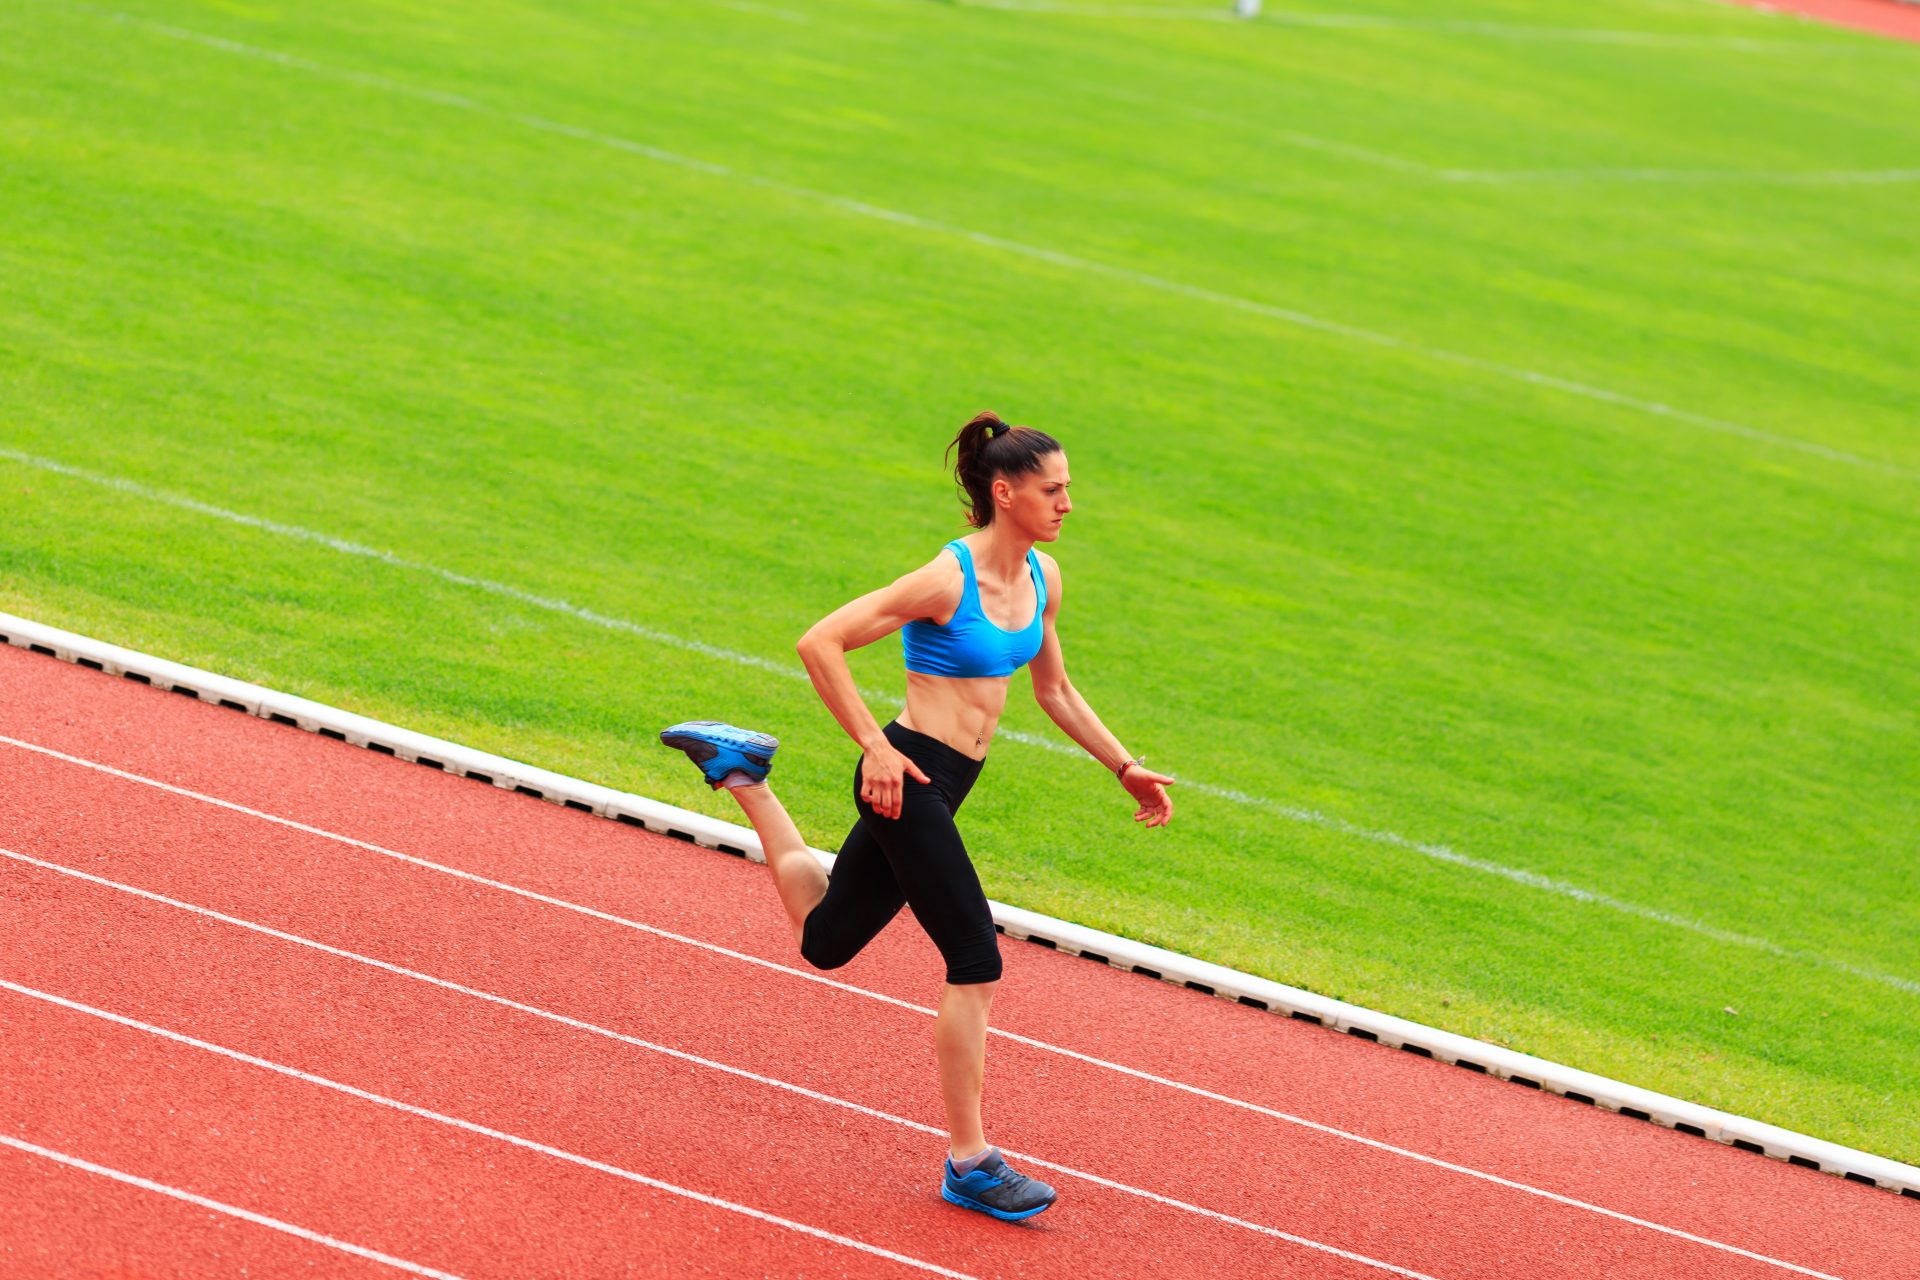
[[390, 1053], [1882, 17]]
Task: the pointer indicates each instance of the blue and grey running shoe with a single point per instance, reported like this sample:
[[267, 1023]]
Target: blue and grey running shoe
[[995, 1188], [719, 749]]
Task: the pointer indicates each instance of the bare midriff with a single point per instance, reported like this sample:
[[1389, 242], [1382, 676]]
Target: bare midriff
[[960, 711]]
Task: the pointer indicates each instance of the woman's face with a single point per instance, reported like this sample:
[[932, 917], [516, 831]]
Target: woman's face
[[1034, 504]]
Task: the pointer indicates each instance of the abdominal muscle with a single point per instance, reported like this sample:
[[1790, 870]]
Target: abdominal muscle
[[960, 711]]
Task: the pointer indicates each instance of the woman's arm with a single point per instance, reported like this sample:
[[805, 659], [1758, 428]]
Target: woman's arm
[[1066, 708], [929, 591]]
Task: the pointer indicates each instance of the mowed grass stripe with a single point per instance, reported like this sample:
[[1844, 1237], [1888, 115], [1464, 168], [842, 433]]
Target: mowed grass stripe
[[1661, 663], [1057, 257]]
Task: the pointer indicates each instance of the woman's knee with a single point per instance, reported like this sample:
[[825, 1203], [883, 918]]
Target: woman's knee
[[976, 964], [822, 951]]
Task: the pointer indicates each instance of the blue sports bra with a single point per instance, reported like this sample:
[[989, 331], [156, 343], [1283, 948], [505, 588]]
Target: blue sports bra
[[970, 644]]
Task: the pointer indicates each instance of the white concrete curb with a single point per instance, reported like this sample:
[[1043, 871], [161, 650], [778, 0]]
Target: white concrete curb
[[1107, 948]]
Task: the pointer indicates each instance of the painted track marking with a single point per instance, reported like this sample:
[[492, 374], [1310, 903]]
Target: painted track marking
[[861, 208], [218, 1206], [1031, 1042], [1410, 167], [1293, 813], [528, 1144], [726, 1068], [1398, 22]]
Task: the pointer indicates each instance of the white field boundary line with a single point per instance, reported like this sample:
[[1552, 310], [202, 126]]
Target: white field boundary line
[[1589, 176], [890, 1118], [469, 1126], [1393, 163], [1409, 167], [1395, 22], [737, 839], [1073, 262], [218, 1206], [787, 1086], [1123, 953]]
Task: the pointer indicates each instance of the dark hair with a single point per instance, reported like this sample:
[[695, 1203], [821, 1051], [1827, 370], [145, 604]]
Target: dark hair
[[989, 447]]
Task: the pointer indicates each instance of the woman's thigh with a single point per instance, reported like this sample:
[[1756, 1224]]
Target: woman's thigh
[[931, 867], [862, 896]]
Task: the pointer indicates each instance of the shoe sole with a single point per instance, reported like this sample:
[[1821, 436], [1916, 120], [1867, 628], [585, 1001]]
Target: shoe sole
[[701, 750], [965, 1202]]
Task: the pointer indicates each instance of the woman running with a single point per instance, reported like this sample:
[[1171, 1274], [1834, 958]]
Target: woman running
[[981, 609]]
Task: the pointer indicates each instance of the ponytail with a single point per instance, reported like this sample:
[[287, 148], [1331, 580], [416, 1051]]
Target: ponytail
[[989, 447]]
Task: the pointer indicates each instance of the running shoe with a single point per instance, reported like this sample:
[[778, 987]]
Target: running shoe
[[719, 749], [995, 1188]]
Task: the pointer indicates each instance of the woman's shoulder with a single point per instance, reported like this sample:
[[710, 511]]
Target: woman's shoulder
[[1050, 575]]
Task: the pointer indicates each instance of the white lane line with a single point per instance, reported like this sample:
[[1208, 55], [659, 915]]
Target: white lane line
[[526, 1143], [695, 1059], [1044, 1046], [1312, 817], [218, 1206], [1286, 315]]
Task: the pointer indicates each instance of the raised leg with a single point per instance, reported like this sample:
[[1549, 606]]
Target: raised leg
[[798, 876]]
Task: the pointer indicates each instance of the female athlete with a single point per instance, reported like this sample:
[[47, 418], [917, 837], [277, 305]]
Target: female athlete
[[986, 605]]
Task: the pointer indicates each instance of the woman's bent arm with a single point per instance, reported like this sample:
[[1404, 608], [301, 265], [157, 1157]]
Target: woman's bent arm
[[1066, 708], [857, 624]]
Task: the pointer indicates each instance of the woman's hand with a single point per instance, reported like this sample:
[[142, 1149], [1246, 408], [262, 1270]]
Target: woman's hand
[[1150, 789], [881, 771]]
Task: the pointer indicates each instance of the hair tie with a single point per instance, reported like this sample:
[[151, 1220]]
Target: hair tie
[[990, 429]]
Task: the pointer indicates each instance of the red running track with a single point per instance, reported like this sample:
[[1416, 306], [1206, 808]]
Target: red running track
[[378, 1008], [1894, 18]]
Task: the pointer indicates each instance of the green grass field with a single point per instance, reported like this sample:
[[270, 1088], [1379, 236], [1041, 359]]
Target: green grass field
[[1495, 448]]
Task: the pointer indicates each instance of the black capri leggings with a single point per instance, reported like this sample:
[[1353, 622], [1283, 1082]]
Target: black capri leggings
[[916, 859]]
